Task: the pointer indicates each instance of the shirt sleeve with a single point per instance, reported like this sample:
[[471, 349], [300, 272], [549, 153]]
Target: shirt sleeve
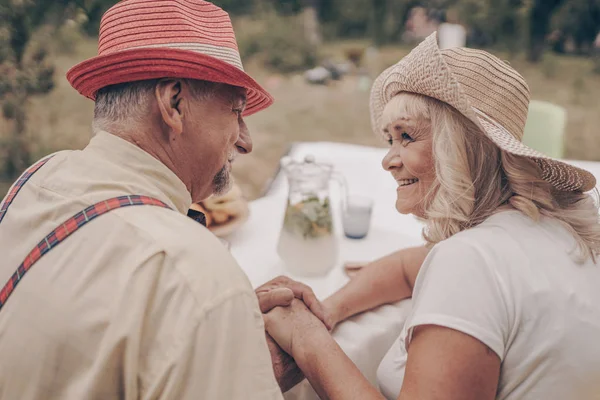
[[459, 288], [225, 356], [204, 343]]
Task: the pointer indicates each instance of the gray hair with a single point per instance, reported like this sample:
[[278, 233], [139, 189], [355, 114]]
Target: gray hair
[[129, 103]]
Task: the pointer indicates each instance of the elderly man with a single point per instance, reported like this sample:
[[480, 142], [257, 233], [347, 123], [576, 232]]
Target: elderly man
[[111, 291]]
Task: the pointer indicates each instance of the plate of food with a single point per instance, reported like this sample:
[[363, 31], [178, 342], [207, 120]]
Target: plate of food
[[226, 213]]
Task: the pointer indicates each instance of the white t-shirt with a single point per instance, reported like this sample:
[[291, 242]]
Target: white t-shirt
[[511, 283]]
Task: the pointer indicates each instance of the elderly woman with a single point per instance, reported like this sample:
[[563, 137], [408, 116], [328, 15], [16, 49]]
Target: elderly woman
[[506, 303]]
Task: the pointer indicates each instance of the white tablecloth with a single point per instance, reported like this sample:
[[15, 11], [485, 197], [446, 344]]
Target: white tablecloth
[[367, 337]]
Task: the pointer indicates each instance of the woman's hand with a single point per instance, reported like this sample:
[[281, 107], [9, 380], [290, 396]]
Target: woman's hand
[[293, 326]]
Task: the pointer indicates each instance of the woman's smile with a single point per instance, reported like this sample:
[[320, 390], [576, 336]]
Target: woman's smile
[[403, 183]]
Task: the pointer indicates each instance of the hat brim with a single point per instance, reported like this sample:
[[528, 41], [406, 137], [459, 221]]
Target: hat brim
[[562, 176], [435, 79], [95, 73]]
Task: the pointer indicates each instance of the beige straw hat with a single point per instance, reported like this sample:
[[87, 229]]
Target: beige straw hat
[[484, 89]]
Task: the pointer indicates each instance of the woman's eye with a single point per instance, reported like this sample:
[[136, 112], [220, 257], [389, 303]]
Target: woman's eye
[[406, 137], [238, 111], [390, 141]]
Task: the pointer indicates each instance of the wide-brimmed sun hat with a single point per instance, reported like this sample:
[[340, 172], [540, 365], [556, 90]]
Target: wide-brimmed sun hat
[[151, 39], [485, 89]]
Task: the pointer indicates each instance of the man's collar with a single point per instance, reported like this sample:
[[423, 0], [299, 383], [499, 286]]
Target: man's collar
[[155, 179]]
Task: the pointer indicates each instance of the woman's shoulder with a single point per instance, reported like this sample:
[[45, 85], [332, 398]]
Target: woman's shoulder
[[502, 230], [504, 238], [508, 238]]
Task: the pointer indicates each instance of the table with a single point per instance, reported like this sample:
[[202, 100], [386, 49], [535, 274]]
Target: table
[[366, 337]]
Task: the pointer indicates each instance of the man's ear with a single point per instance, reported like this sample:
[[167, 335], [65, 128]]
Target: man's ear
[[168, 94]]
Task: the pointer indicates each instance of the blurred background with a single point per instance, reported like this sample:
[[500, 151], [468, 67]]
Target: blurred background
[[317, 57]]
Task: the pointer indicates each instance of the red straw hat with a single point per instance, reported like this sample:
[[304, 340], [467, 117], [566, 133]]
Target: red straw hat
[[151, 39]]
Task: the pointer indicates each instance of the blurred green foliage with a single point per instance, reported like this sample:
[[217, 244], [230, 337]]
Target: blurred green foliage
[[514, 25], [25, 71], [275, 39], [275, 31], [579, 20]]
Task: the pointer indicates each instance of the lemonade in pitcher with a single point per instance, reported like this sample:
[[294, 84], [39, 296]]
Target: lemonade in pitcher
[[307, 242]]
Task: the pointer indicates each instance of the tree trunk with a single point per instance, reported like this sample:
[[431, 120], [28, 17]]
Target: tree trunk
[[312, 29], [539, 23], [19, 37], [378, 21]]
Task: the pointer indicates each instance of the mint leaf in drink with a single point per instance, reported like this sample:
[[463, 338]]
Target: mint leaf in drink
[[310, 218]]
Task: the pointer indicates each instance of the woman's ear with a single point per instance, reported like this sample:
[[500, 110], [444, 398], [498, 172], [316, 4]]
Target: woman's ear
[[169, 96]]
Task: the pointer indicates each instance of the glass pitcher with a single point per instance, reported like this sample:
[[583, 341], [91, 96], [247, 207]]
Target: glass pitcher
[[307, 242]]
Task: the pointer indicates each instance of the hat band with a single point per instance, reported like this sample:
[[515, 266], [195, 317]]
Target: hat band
[[224, 54]]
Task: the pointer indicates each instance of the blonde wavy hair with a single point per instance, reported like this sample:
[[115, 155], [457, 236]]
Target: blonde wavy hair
[[475, 179]]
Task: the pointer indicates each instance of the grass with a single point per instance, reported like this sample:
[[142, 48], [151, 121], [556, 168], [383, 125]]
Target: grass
[[337, 113]]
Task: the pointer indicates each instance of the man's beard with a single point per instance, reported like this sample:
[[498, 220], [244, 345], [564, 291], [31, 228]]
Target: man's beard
[[221, 181]]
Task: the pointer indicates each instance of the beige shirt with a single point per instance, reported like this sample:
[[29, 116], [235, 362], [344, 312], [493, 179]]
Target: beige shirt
[[141, 303]]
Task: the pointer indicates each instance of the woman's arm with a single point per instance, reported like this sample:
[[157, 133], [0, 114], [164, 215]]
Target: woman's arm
[[442, 363], [330, 372], [447, 364], [383, 281], [328, 369]]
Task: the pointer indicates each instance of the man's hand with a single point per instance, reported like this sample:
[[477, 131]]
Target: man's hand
[[286, 371], [276, 293], [269, 299]]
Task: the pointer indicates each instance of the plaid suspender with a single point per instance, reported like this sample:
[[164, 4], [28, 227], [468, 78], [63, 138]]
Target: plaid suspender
[[19, 184], [63, 231]]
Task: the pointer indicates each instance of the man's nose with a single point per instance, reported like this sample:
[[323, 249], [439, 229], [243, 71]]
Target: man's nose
[[244, 142]]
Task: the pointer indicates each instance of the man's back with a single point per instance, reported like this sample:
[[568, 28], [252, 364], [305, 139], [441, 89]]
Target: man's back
[[142, 302]]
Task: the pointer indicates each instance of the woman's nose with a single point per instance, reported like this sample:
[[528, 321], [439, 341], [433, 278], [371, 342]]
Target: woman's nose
[[391, 160]]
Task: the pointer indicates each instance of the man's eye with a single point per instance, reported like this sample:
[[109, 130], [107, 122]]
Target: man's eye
[[238, 111]]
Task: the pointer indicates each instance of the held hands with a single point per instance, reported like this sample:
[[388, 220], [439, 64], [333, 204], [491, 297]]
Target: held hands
[[281, 294], [285, 369], [292, 326]]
